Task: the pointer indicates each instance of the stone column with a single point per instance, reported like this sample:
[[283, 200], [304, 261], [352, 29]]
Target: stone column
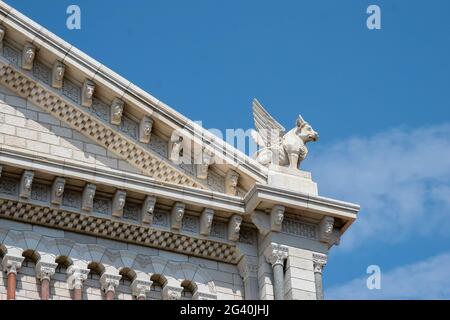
[[44, 271], [140, 288], [109, 284], [319, 261], [248, 270], [276, 255], [11, 265], [77, 276]]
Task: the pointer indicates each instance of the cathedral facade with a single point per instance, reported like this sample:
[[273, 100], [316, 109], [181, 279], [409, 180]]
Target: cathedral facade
[[108, 193]]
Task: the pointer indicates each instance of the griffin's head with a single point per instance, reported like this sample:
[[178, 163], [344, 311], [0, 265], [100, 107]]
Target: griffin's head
[[305, 131]]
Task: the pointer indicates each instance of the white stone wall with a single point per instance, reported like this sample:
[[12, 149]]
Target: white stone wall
[[226, 278], [28, 128]]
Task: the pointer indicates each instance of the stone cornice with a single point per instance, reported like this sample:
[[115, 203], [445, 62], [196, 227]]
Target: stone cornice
[[74, 116], [118, 230], [92, 69]]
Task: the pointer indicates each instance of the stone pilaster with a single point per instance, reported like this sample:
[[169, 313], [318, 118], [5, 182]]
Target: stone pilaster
[[319, 262]]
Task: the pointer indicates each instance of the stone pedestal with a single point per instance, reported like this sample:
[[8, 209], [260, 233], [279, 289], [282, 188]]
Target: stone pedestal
[[291, 179]]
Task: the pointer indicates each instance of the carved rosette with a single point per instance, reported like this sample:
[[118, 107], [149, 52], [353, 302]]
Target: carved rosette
[[234, 226], [12, 264], [77, 276], [276, 254], [171, 293], [45, 270]]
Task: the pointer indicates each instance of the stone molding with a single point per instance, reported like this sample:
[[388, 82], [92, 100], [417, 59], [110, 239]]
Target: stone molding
[[118, 230]]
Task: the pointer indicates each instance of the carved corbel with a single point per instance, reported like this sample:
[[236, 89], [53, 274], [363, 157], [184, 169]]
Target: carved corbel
[[58, 74], [175, 147], [234, 226], [28, 55], [1, 170], [206, 158], [117, 107], [25, 184], [145, 129], [231, 182], [87, 93], [148, 207], [176, 216], [118, 203], [87, 201], [327, 232], [276, 218], [58, 190], [262, 221], [2, 35], [206, 220]]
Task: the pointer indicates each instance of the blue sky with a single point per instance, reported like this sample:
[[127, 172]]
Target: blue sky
[[380, 100]]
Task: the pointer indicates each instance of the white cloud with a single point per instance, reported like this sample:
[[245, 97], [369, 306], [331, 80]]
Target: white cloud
[[423, 280], [400, 178]]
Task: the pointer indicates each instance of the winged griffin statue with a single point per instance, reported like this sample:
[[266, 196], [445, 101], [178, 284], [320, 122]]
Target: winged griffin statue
[[278, 147]]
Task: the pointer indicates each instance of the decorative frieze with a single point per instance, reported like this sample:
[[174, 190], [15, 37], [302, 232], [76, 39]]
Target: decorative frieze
[[117, 107], [189, 224], [8, 186], [299, 228], [206, 220], [145, 129], [40, 192], [87, 200], [72, 199], [118, 203], [71, 90], [231, 182], [58, 190], [26, 183], [148, 207], [42, 72], [234, 225], [102, 205], [131, 211], [28, 55], [58, 71], [87, 93], [176, 215]]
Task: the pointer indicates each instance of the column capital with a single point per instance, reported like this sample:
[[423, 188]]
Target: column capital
[[141, 287], [203, 296], [45, 270], [276, 254], [171, 293], [77, 276], [109, 281], [319, 262], [12, 263]]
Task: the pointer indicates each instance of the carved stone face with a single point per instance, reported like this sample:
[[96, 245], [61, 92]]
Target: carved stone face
[[279, 217], [237, 224], [121, 202], [59, 189], [90, 194], [117, 111], [147, 128], [234, 181], [209, 219], [29, 55], [179, 214], [28, 182], [89, 91], [59, 74]]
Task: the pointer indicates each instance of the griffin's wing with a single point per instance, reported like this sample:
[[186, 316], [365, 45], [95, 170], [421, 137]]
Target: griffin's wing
[[268, 128]]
